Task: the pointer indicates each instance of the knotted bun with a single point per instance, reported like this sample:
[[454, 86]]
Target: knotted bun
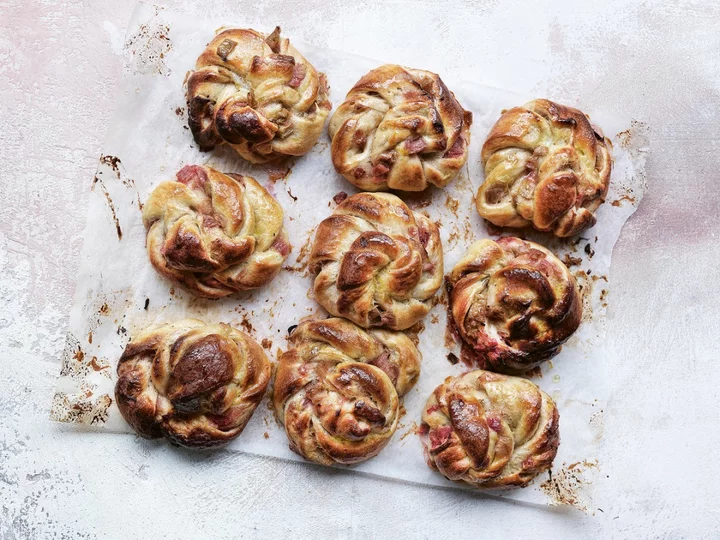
[[490, 430], [258, 94], [337, 389], [547, 166], [215, 233], [514, 303], [378, 263], [196, 384], [399, 128]]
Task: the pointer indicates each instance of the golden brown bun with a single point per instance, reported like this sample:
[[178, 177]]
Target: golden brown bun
[[258, 94], [399, 128], [215, 233], [490, 430], [377, 262], [196, 384], [337, 389], [514, 303], [547, 166]]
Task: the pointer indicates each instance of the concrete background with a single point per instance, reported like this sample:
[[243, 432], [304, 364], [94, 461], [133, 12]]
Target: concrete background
[[655, 61]]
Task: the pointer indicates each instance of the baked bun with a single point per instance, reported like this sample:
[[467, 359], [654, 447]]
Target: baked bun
[[514, 304], [489, 430], [215, 233], [378, 263], [399, 128], [337, 389], [547, 166], [196, 384], [258, 94]]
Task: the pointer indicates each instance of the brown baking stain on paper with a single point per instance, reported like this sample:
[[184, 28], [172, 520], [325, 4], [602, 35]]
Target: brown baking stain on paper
[[100, 364], [626, 197], [402, 411], [117, 167], [320, 146], [569, 485], [246, 325], [72, 364], [113, 162], [279, 170], [585, 285], [411, 431], [113, 165], [453, 238], [452, 204], [110, 204], [417, 200], [634, 138], [569, 260], [302, 258], [80, 408], [145, 50]]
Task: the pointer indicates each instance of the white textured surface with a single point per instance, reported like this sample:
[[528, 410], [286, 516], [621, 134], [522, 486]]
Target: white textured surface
[[59, 65]]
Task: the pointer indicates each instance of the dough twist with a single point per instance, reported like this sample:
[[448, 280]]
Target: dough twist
[[215, 233], [257, 94], [196, 384], [490, 430], [399, 128], [547, 166], [514, 303], [337, 389], [377, 262]]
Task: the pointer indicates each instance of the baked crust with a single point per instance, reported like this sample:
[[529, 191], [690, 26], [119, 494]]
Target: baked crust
[[399, 128], [490, 430], [337, 389], [547, 166], [258, 94], [196, 384], [214, 233], [377, 262], [513, 303]]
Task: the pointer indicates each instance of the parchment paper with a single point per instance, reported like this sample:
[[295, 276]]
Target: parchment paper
[[118, 292]]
